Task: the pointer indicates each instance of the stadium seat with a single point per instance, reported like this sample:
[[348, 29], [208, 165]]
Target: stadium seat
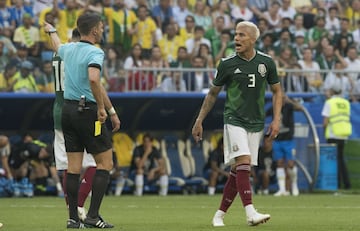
[[198, 155], [178, 165], [201, 152]]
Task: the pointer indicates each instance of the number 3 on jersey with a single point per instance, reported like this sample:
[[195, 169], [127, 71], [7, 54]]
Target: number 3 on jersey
[[251, 80]]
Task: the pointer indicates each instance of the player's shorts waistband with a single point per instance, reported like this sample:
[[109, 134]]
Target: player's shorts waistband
[[68, 101]]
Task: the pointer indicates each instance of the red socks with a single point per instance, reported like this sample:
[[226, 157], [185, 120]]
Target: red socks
[[238, 182], [229, 192], [86, 185], [243, 183]]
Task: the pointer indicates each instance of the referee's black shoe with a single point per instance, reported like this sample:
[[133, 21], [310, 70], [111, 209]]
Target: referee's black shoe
[[71, 224], [97, 223]]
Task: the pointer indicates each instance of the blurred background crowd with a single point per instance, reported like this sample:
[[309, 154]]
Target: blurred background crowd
[[149, 44]]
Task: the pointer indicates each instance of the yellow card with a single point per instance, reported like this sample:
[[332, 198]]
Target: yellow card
[[97, 131]]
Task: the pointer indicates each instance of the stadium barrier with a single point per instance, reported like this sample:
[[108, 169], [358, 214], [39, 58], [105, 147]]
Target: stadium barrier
[[145, 79], [327, 175], [164, 113]]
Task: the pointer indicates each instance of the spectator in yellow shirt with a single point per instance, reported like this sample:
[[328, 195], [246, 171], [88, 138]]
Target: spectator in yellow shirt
[[188, 31], [66, 19], [28, 35], [352, 12], [24, 80], [170, 43], [45, 79], [145, 34], [7, 77], [122, 25]]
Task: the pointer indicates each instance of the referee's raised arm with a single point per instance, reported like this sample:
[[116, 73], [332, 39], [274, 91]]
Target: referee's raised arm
[[55, 40]]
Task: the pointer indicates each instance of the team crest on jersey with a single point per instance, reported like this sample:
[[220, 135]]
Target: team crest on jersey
[[262, 69]]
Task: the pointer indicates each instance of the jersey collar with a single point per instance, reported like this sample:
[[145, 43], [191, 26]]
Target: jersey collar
[[248, 60], [85, 41]]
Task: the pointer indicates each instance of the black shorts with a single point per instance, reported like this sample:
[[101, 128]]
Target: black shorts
[[16, 160], [79, 129]]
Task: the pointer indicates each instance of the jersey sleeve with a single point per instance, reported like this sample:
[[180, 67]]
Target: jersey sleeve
[[273, 77], [220, 75], [96, 58]]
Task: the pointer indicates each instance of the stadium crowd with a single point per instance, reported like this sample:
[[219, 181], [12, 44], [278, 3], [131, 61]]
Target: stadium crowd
[[314, 43], [174, 45]]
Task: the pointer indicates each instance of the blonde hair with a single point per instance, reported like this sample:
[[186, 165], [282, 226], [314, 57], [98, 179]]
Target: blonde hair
[[252, 26]]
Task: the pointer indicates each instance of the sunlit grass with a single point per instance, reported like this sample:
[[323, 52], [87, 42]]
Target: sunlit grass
[[313, 212]]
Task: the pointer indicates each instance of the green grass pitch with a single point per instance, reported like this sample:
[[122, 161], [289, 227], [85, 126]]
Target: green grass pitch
[[308, 212]]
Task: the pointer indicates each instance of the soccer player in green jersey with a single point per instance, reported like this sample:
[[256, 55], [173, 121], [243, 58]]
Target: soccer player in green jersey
[[244, 75]]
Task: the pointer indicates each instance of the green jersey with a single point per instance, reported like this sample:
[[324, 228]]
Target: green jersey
[[245, 84], [58, 69]]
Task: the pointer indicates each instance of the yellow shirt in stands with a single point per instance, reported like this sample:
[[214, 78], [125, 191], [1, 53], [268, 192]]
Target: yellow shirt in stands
[[26, 84], [67, 23], [42, 15], [60, 31], [300, 3], [27, 36], [185, 35], [353, 17], [3, 83], [47, 87], [116, 23], [191, 4], [123, 147], [144, 35], [169, 48]]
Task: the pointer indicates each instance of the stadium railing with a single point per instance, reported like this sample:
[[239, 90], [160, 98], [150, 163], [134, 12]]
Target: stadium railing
[[145, 79]]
